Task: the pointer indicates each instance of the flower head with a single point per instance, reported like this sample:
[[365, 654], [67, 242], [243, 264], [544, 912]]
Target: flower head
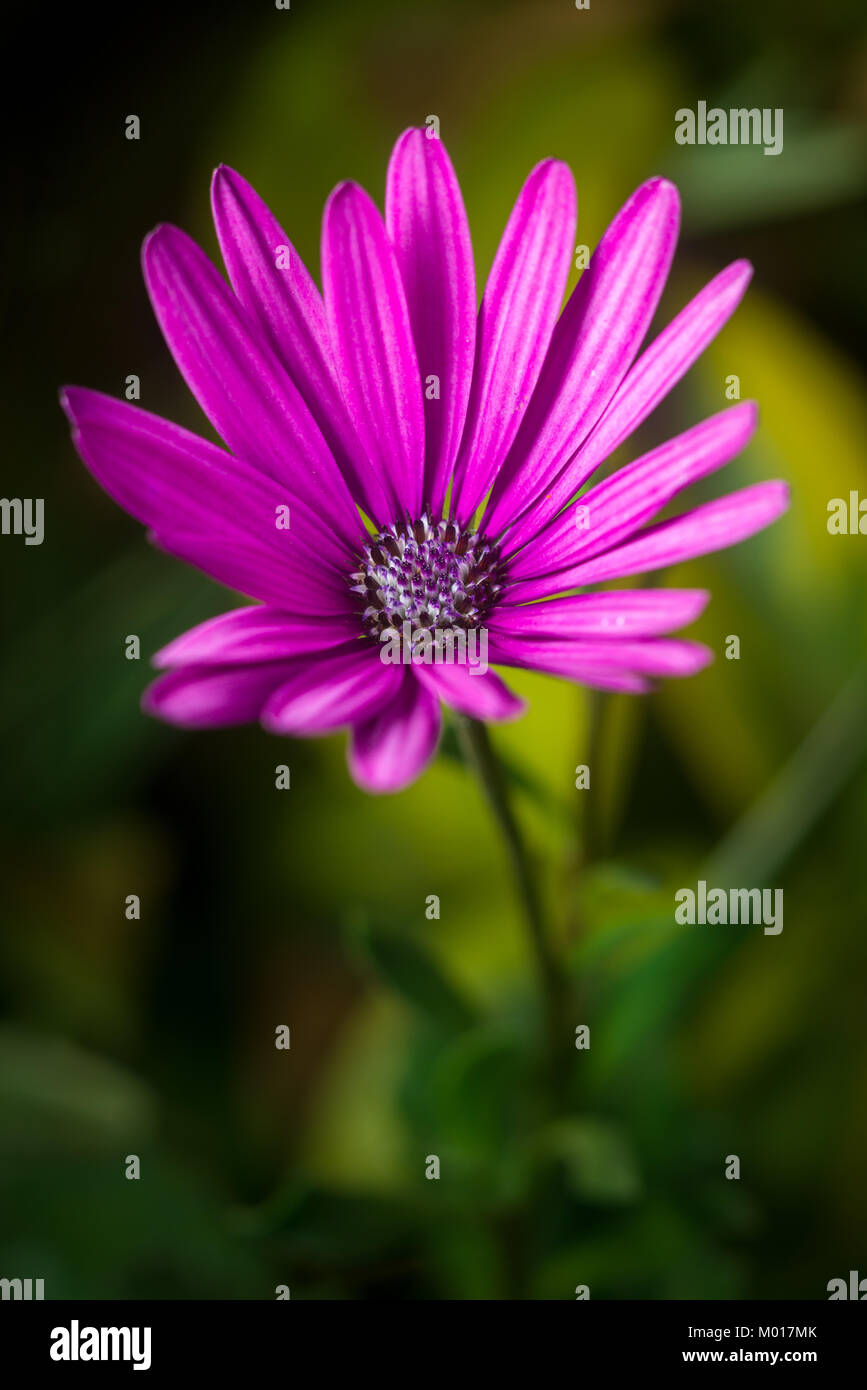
[[397, 461]]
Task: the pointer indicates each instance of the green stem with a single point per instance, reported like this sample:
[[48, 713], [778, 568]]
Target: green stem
[[479, 753]]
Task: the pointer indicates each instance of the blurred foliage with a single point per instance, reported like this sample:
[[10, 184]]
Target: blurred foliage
[[413, 1037]]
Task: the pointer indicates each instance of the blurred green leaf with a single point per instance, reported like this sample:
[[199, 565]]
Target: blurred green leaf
[[54, 1093], [654, 1252], [818, 167], [70, 721], [412, 972], [597, 1160], [326, 1228], [479, 1092], [769, 833], [163, 1236]]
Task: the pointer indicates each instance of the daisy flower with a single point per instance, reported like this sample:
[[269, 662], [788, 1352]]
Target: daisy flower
[[397, 461]]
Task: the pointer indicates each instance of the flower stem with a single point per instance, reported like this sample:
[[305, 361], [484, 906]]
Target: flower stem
[[479, 753]]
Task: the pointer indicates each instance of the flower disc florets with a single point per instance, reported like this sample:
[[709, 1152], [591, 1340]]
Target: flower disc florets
[[430, 574]]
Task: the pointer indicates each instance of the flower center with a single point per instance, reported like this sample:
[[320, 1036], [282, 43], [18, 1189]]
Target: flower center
[[430, 574]]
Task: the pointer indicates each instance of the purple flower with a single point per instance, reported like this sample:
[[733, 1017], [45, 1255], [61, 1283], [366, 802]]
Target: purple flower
[[463, 438]]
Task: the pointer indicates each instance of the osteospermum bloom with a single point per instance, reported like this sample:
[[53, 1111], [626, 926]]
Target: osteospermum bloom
[[426, 457]]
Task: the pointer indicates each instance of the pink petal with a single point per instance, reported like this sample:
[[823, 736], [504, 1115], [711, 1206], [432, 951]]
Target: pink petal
[[182, 486], [427, 223], [659, 657], [619, 614], [520, 306], [286, 580], [657, 370], [594, 343], [346, 686], [715, 526], [620, 682], [260, 633], [393, 748], [207, 697], [615, 508], [373, 347], [238, 380], [480, 694], [288, 310]]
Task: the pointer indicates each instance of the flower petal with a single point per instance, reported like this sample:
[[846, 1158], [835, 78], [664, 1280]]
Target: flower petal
[[521, 302], [480, 694], [207, 697], [345, 686], [183, 486], [593, 346], [393, 748], [595, 675], [259, 573], [714, 526], [372, 341], [427, 223], [260, 633], [656, 372], [655, 657], [605, 678], [615, 508], [277, 290], [621, 613], [238, 380]]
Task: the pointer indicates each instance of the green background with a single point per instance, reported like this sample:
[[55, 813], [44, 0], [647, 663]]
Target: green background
[[411, 1036]]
